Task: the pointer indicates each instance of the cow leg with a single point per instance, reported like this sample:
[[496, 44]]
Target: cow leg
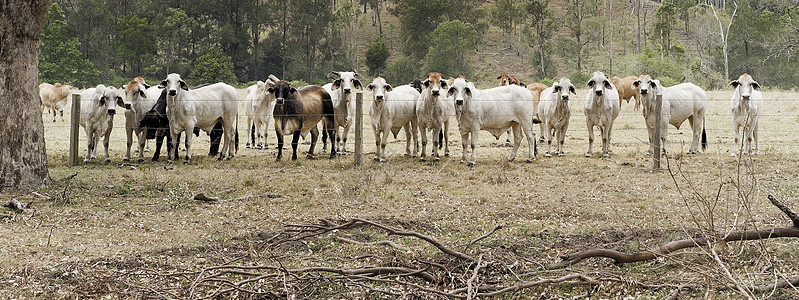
[[473, 138], [517, 141], [384, 140], [279, 145], [251, 136], [325, 138], [142, 141], [377, 132], [159, 141], [129, 134], [294, 140], [407, 128], [314, 138], [562, 136], [507, 140], [189, 137], [265, 132], [464, 144], [415, 134], [106, 137], [590, 138], [423, 133], [756, 149], [737, 137], [606, 139], [547, 131], [436, 142], [89, 145], [173, 153], [344, 135]]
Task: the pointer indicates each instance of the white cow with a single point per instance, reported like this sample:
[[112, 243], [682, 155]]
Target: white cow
[[97, 109], [393, 109], [341, 92], [202, 108], [554, 112], [140, 98], [601, 109], [680, 102], [258, 106], [433, 111], [54, 97], [494, 110], [746, 105]]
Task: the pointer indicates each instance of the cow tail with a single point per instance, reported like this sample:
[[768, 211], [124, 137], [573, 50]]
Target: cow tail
[[704, 137], [236, 135], [441, 138], [252, 133]]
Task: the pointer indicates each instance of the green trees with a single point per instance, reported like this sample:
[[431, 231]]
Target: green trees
[[137, 45], [59, 57], [213, 66], [376, 56], [453, 43]]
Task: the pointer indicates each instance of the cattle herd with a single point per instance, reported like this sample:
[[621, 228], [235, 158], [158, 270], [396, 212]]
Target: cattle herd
[[420, 107]]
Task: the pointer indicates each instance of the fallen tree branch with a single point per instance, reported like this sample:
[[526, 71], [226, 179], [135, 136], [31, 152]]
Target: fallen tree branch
[[203, 197], [792, 281], [480, 238], [747, 235], [388, 243], [17, 205], [428, 239], [785, 209]]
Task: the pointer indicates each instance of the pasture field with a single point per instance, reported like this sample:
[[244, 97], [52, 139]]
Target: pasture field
[[112, 221]]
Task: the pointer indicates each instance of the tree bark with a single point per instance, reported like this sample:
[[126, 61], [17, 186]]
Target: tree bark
[[23, 158]]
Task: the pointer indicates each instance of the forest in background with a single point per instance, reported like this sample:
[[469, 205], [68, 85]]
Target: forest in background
[[86, 42]]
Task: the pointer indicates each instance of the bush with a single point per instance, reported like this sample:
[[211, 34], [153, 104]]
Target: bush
[[579, 79], [402, 71], [213, 66], [453, 43], [376, 56]]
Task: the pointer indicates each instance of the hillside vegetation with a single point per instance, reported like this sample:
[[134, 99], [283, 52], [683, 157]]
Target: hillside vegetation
[[88, 42]]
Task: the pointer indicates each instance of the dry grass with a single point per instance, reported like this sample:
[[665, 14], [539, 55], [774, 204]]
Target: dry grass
[[120, 217]]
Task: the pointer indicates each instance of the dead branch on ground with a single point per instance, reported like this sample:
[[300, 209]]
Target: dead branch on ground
[[746, 235]]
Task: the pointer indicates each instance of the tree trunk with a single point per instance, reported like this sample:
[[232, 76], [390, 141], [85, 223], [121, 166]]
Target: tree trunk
[[23, 163]]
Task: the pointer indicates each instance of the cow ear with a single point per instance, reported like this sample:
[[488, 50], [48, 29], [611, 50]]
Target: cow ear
[[734, 84], [357, 84], [555, 87], [336, 84], [426, 82], [522, 84], [124, 87], [443, 84], [468, 91], [450, 92], [146, 86], [270, 90], [162, 85], [293, 90], [589, 84], [120, 102], [102, 100], [607, 84], [500, 76], [183, 85], [635, 84], [755, 85], [370, 86], [142, 94], [571, 89], [388, 87]]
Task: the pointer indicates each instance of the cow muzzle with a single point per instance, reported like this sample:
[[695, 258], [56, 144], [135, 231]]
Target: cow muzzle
[[173, 92], [644, 91], [564, 97], [128, 106], [745, 97], [280, 101], [379, 97], [598, 92], [112, 111], [347, 90], [458, 101], [435, 92]]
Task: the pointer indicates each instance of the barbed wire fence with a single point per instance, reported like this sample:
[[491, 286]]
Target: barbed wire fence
[[631, 121]]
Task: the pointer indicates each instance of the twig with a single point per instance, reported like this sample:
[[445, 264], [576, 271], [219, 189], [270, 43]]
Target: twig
[[389, 243], [17, 205], [470, 292], [480, 238], [792, 281], [785, 209], [428, 239], [203, 197]]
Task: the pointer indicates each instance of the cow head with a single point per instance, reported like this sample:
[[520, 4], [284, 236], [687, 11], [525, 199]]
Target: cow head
[[379, 88], [110, 98], [134, 90], [417, 84], [563, 87], [460, 90], [599, 83], [434, 83], [172, 83], [744, 86], [346, 82], [262, 94], [282, 91], [504, 79], [645, 85]]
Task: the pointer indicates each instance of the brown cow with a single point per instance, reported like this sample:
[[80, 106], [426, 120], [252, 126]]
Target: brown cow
[[625, 88], [504, 79], [54, 97], [298, 111]]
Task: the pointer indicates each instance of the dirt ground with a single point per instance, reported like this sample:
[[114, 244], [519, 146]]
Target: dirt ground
[[120, 218]]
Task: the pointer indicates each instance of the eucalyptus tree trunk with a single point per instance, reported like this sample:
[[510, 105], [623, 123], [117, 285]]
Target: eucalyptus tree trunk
[[23, 160]]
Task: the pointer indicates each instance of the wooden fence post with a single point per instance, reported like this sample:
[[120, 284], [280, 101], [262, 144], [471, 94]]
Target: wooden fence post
[[74, 134], [656, 138], [359, 129]]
